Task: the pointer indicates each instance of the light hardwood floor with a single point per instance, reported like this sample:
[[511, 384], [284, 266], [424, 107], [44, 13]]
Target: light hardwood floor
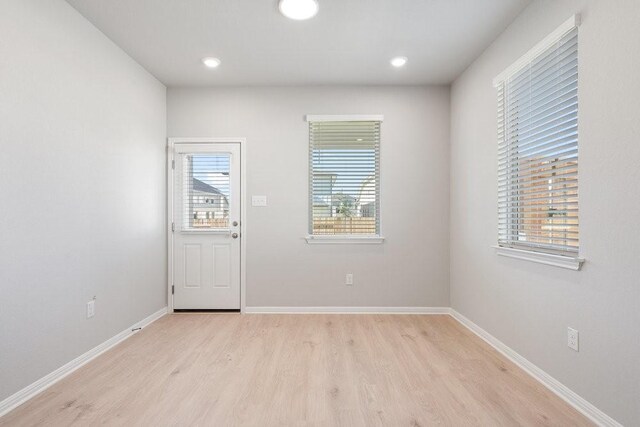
[[298, 370]]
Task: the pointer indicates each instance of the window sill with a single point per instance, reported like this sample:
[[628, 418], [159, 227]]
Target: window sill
[[344, 240], [571, 263]]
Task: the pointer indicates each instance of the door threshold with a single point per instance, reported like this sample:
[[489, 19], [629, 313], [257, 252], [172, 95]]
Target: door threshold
[[206, 310]]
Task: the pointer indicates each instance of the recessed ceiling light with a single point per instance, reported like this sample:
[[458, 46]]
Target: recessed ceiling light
[[211, 62], [399, 61], [298, 9]]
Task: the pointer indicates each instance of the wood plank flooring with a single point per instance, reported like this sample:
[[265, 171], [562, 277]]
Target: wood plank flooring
[[298, 370]]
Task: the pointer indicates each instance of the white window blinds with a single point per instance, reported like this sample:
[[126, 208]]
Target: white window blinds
[[205, 191], [344, 182], [538, 149]]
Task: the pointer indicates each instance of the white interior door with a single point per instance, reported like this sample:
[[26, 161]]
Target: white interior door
[[206, 224]]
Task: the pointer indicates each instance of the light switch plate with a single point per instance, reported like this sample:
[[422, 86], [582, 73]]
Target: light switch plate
[[258, 200]]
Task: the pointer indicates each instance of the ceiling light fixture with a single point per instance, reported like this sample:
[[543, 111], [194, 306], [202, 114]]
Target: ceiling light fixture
[[298, 9], [211, 62], [399, 61]]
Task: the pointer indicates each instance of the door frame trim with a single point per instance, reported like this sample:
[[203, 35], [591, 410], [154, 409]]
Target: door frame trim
[[171, 143]]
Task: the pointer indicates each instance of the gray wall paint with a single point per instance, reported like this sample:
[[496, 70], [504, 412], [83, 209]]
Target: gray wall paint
[[411, 267], [529, 306], [82, 131]]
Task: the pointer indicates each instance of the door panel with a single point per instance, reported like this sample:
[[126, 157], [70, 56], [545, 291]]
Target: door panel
[[222, 266], [206, 215], [192, 265]]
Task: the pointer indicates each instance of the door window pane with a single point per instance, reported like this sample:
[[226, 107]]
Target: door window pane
[[206, 191]]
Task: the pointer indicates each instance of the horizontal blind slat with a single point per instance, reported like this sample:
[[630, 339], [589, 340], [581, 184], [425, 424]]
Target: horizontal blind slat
[[523, 168]]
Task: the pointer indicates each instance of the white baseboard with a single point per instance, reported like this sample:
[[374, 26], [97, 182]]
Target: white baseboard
[[47, 381], [573, 399], [349, 310]]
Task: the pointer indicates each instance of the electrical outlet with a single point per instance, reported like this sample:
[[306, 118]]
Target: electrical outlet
[[348, 280], [91, 308], [572, 338]]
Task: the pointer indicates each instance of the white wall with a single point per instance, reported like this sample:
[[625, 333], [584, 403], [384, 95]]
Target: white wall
[[411, 267], [529, 306], [82, 133]]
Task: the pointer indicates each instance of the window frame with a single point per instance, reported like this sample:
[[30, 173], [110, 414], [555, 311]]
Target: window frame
[[343, 238], [540, 254]]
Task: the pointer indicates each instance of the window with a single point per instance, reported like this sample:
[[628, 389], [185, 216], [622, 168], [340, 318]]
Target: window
[[344, 169], [538, 148], [206, 190]]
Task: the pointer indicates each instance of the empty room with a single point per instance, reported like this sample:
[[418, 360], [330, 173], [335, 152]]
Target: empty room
[[320, 213]]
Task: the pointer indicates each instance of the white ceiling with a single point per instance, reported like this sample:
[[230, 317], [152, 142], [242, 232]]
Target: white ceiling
[[348, 42]]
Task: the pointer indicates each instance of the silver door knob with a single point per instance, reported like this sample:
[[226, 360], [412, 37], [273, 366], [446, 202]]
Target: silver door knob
[[234, 235], [235, 223]]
